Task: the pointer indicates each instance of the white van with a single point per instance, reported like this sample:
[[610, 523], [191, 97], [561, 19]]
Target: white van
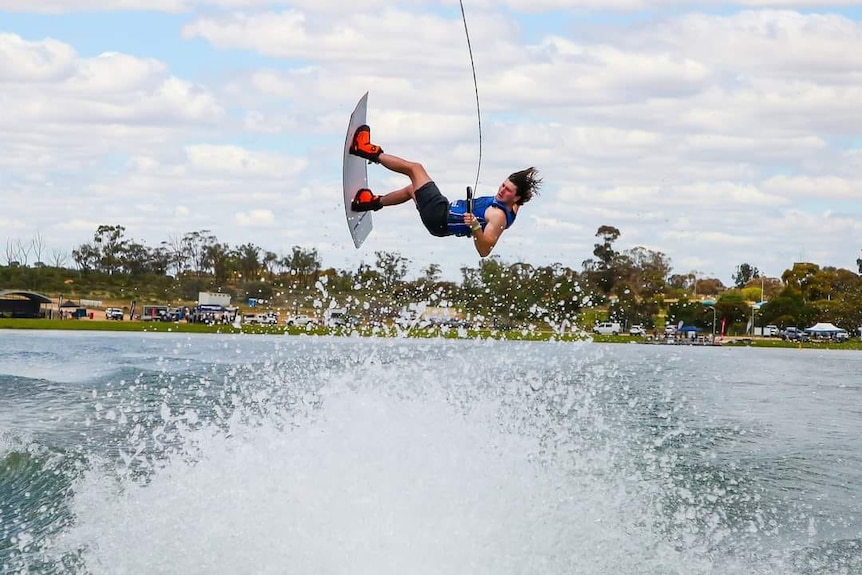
[[269, 318], [335, 317], [114, 313], [608, 328], [300, 321]]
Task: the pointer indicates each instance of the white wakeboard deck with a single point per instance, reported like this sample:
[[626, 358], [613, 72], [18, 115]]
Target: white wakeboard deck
[[355, 176]]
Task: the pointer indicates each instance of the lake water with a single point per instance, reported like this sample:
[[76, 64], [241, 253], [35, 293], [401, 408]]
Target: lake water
[[172, 453]]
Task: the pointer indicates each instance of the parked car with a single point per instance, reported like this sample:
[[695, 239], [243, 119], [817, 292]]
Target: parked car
[[793, 333], [770, 331], [114, 313], [300, 321], [338, 317], [268, 318], [607, 328], [153, 312], [637, 329]]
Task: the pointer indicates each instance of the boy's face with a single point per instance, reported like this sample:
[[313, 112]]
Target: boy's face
[[507, 193]]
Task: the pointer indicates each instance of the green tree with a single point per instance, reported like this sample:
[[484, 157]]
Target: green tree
[[221, 260], [645, 271], [137, 260], [494, 276], [426, 287], [196, 247], [733, 312], [628, 308], [110, 242], [304, 265], [431, 274], [366, 277], [688, 312], [566, 289], [606, 257], [270, 259], [744, 274], [248, 260], [788, 308], [177, 259], [339, 281], [709, 286], [86, 257], [519, 288], [844, 282], [392, 268], [800, 278]]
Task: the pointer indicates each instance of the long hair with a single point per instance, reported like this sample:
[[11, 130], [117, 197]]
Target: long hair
[[528, 183]]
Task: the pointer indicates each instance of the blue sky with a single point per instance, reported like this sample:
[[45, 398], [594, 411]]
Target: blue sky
[[144, 34], [715, 133]]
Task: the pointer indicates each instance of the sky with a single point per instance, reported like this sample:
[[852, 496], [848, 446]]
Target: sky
[[718, 133]]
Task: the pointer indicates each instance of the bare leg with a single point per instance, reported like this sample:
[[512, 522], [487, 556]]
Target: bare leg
[[397, 197], [363, 148], [413, 170]]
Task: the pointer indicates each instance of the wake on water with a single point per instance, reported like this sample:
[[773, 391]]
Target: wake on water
[[384, 457]]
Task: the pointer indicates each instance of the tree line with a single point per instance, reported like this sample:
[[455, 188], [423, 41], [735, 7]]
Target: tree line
[[635, 285]]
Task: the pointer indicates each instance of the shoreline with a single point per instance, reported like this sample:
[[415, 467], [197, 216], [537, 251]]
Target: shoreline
[[393, 332], [183, 327]]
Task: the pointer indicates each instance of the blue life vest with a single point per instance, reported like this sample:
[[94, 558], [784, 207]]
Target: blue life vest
[[457, 209]]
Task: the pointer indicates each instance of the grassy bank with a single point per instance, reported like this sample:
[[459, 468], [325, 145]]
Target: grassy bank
[[182, 327], [96, 325], [854, 343], [513, 335]]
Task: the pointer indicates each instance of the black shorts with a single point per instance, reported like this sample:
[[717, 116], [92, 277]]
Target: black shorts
[[433, 209]]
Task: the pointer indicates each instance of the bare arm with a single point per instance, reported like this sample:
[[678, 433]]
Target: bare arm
[[486, 239]]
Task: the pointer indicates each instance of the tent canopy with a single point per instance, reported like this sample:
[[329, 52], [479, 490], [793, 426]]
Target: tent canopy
[[32, 296], [824, 328]]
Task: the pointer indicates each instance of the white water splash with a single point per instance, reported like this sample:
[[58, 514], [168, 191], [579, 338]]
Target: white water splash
[[389, 476]]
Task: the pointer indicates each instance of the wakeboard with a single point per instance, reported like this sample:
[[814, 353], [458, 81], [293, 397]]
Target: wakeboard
[[355, 177]]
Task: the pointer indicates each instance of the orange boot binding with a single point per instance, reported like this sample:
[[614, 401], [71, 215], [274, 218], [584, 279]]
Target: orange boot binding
[[365, 201], [361, 145]]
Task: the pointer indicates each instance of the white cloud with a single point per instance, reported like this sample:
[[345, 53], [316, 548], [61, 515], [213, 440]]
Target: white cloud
[[817, 188], [238, 162], [172, 6], [335, 6], [538, 6], [714, 138], [254, 218], [46, 86], [774, 43], [21, 60]]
